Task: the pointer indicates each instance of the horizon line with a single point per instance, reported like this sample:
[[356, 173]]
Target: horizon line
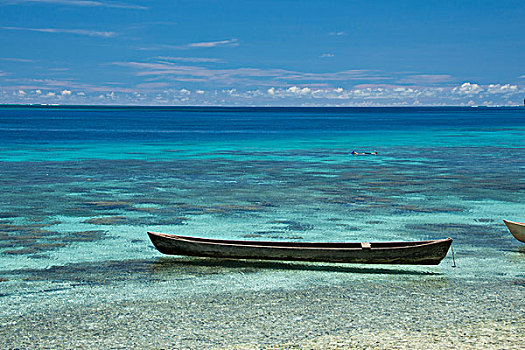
[[38, 105]]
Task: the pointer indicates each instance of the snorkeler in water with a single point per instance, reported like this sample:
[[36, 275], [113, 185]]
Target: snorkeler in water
[[364, 153]]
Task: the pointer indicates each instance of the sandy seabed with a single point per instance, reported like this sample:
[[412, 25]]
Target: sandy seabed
[[362, 315]]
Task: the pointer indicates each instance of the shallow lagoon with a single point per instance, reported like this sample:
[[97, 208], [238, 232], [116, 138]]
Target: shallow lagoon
[[80, 187]]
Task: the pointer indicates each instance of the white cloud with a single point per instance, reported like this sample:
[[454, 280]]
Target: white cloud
[[350, 74], [427, 78], [189, 59], [472, 89], [21, 92], [468, 89], [502, 94], [95, 33], [83, 3], [197, 45], [299, 91], [231, 42], [21, 60], [327, 55], [337, 33], [499, 89], [244, 76], [52, 84], [253, 86], [154, 85]]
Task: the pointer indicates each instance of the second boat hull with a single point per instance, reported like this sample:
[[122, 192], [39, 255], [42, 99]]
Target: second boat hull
[[517, 229]]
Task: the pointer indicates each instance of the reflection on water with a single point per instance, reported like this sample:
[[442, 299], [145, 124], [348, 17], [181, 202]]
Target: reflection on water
[[210, 265], [178, 268]]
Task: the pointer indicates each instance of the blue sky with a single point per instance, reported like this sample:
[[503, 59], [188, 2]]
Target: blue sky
[[277, 53]]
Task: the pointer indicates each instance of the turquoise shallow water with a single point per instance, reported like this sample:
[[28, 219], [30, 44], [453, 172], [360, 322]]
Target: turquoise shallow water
[[80, 187]]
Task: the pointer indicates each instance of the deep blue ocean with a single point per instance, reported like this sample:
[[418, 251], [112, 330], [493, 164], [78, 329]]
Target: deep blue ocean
[[80, 186]]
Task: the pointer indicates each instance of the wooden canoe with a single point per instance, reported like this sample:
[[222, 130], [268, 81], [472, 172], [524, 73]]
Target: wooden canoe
[[415, 253], [517, 229]]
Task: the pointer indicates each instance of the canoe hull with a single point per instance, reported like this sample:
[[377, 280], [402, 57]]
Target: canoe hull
[[416, 253], [517, 229]]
